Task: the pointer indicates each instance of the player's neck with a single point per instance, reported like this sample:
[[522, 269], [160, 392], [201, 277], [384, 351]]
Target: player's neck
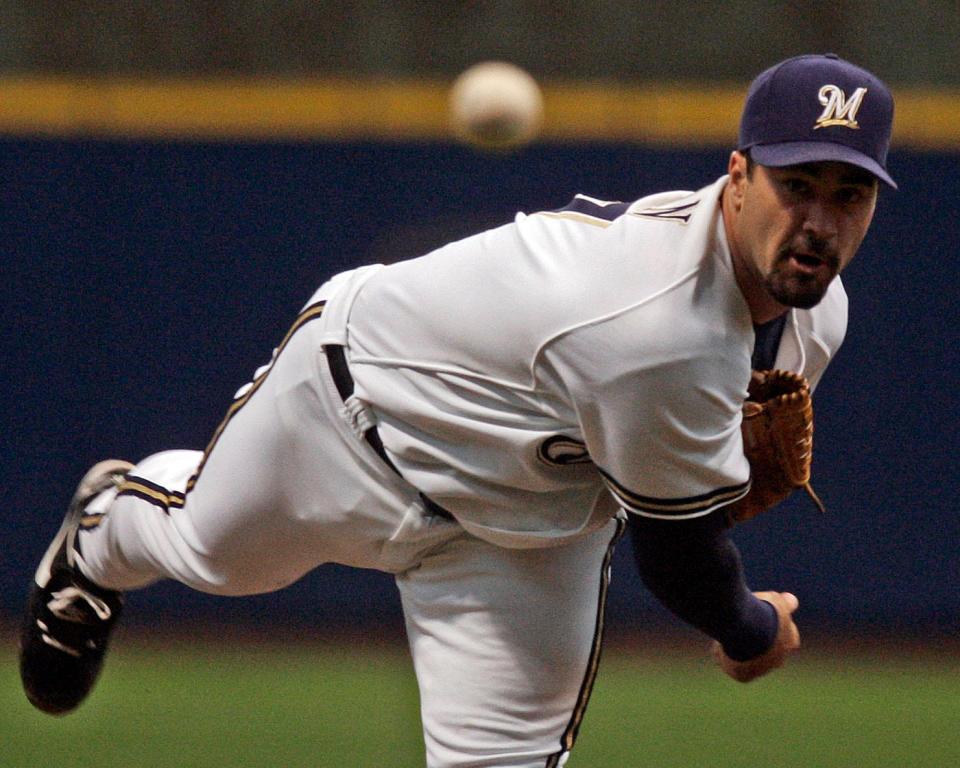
[[763, 307]]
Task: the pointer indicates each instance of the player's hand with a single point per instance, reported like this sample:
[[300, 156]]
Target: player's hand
[[786, 642]]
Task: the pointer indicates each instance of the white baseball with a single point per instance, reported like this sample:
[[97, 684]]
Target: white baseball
[[496, 105]]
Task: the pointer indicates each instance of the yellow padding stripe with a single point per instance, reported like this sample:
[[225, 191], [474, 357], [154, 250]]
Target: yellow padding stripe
[[343, 109]]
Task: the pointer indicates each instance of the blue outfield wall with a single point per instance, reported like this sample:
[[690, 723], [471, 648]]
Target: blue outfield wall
[[146, 281]]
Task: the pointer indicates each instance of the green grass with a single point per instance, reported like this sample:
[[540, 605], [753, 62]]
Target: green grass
[[241, 704], [861, 711]]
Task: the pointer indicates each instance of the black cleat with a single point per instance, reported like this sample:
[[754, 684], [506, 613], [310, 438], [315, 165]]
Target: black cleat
[[68, 619]]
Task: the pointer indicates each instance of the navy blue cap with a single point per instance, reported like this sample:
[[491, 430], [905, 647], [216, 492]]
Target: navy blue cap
[[818, 107]]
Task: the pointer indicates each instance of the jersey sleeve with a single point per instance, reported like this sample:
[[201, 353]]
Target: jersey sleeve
[[661, 420]]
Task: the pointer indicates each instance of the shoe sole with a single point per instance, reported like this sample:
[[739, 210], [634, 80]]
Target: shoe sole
[[97, 479]]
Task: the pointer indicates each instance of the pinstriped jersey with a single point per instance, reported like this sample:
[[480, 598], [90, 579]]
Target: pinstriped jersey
[[533, 378]]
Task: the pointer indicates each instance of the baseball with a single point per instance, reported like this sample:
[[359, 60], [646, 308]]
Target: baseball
[[496, 105]]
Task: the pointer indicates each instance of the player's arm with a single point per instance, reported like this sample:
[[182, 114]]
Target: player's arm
[[694, 569], [663, 429]]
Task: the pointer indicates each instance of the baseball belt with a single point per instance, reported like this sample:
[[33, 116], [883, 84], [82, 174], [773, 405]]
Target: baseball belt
[[340, 372]]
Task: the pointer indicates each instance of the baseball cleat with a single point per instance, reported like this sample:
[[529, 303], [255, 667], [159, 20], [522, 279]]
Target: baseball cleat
[[68, 618]]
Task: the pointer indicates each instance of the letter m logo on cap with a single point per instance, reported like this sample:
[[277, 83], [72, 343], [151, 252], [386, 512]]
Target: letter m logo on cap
[[837, 108]]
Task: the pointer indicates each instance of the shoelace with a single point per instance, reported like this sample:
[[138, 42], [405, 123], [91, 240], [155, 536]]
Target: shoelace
[[64, 605]]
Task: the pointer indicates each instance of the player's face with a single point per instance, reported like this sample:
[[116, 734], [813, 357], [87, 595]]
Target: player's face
[[797, 227]]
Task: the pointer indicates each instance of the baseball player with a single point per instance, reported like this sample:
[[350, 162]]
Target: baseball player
[[486, 420]]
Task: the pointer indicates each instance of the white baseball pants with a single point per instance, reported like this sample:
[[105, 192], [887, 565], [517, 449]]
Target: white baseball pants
[[505, 642]]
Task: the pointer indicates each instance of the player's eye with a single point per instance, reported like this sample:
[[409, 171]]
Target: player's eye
[[849, 195], [796, 185]]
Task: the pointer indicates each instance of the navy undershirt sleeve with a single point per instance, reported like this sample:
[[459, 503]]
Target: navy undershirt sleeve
[[694, 569]]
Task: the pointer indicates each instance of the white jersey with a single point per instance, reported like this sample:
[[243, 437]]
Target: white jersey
[[532, 378]]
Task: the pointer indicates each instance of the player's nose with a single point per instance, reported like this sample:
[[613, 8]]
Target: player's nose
[[820, 220]]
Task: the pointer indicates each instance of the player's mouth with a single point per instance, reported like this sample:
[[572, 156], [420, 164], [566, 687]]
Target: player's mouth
[[811, 262], [807, 262]]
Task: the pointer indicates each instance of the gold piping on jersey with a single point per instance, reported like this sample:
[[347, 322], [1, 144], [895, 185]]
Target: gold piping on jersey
[[569, 736], [582, 218]]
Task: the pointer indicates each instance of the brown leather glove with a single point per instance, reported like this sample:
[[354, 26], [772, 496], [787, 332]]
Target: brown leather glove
[[777, 433]]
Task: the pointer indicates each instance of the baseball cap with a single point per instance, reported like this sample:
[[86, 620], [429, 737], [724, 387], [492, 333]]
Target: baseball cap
[[818, 107]]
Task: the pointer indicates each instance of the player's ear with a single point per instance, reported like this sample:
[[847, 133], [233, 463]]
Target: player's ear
[[738, 171]]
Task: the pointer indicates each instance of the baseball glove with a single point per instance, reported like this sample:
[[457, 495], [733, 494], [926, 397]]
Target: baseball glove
[[777, 433]]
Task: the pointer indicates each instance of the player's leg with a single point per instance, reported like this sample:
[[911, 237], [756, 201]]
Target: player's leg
[[260, 507], [505, 645], [129, 527], [284, 486]]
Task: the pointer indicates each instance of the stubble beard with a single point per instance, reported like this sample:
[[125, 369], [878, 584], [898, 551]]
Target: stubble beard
[[793, 288]]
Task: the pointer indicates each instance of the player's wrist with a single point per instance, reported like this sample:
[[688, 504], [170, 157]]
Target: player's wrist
[[754, 633]]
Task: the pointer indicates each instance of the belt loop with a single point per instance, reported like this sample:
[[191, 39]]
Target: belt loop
[[362, 419]]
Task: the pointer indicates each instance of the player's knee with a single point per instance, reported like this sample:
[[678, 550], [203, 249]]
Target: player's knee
[[247, 577], [231, 572]]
